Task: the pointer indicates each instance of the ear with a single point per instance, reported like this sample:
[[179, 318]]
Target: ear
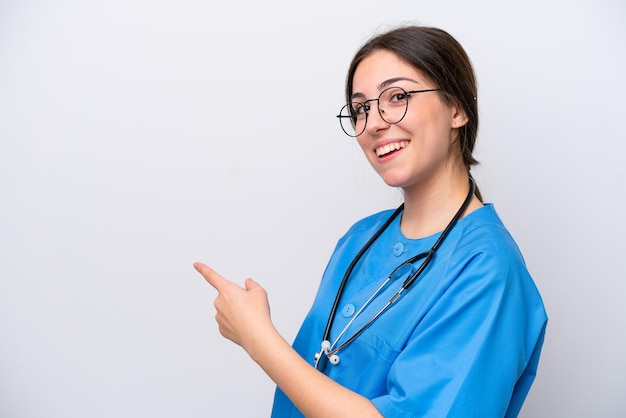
[[459, 117]]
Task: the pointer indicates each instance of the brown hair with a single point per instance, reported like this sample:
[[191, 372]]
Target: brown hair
[[443, 61]]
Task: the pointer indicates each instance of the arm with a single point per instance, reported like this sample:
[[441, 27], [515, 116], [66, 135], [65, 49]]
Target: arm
[[243, 316]]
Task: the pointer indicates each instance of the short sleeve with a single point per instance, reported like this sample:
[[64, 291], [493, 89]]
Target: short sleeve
[[475, 353]]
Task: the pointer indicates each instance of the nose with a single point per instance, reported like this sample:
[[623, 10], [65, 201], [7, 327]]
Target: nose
[[375, 121]]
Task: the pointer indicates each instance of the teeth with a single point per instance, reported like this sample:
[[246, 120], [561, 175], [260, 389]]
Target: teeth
[[390, 147]]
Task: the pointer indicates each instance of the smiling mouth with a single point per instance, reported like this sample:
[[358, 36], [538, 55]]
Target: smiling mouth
[[390, 148]]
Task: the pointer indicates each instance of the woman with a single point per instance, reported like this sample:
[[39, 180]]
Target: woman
[[457, 328]]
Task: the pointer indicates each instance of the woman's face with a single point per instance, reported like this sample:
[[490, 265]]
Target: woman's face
[[416, 151]]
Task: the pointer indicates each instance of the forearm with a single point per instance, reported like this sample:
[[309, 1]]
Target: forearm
[[313, 393]]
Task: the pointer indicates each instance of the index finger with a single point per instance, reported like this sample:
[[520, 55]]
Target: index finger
[[211, 276]]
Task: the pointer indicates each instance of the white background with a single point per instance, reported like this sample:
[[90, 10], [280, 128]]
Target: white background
[[137, 137]]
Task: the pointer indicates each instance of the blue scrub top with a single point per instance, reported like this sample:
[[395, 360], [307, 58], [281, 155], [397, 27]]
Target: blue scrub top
[[463, 341]]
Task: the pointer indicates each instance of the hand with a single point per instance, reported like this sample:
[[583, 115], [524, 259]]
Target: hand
[[243, 314]]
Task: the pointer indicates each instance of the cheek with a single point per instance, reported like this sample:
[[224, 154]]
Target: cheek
[[366, 148], [433, 127], [362, 142]]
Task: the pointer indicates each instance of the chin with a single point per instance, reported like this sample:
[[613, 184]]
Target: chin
[[394, 181]]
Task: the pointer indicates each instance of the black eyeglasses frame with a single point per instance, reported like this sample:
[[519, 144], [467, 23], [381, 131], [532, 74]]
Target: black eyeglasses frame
[[367, 108]]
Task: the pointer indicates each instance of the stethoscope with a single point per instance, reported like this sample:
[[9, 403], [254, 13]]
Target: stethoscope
[[328, 350]]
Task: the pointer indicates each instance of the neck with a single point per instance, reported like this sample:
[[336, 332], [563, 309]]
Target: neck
[[428, 208]]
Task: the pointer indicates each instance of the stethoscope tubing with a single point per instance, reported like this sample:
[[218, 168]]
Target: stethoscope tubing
[[408, 282]]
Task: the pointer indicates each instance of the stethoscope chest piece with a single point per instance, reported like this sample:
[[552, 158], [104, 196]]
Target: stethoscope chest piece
[[323, 356]]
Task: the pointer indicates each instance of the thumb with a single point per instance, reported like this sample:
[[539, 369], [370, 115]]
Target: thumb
[[251, 284]]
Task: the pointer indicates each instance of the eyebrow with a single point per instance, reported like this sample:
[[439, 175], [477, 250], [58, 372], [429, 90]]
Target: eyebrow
[[384, 85]]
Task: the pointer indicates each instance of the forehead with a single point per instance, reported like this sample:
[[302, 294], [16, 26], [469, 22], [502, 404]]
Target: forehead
[[379, 67]]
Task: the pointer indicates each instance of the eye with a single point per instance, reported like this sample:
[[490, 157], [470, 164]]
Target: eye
[[360, 109], [398, 97], [394, 96]]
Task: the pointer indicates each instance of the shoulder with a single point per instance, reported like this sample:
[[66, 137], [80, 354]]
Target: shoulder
[[483, 253], [360, 233], [367, 225], [484, 231]]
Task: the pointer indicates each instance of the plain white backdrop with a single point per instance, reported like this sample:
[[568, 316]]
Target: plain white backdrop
[[137, 137]]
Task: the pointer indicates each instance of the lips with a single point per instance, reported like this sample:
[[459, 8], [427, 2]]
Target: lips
[[389, 148]]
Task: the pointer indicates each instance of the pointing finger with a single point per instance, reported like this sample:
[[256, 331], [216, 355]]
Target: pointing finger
[[211, 276]]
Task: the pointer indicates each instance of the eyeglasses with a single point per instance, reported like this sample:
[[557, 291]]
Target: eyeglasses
[[392, 106]]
